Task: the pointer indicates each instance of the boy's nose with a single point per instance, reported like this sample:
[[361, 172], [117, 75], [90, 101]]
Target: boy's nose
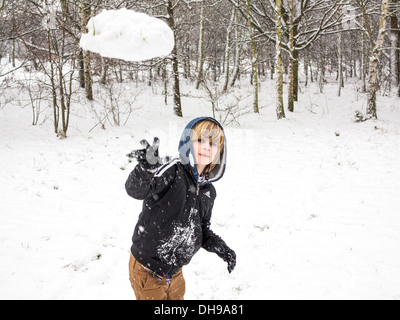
[[205, 145]]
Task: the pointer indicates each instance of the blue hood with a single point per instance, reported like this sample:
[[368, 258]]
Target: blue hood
[[187, 156]]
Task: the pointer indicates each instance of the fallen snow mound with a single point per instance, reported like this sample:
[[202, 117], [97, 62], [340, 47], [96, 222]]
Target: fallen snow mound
[[128, 35]]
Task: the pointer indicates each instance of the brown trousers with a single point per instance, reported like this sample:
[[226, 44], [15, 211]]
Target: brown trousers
[[146, 287]]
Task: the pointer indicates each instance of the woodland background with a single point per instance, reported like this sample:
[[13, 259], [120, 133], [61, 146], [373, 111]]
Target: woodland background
[[217, 43]]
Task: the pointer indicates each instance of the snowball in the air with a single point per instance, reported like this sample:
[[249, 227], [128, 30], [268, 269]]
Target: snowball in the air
[[128, 35]]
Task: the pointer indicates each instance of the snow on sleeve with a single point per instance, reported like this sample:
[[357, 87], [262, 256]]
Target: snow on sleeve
[[128, 35]]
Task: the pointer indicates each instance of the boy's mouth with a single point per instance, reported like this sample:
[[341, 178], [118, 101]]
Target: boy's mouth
[[204, 155]]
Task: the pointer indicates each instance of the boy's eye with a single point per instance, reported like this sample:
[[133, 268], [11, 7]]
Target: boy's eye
[[213, 144]]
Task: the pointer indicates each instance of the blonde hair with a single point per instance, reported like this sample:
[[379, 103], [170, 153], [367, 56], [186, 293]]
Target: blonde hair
[[210, 130]]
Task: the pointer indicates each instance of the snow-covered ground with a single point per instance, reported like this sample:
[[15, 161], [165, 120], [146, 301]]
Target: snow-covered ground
[[310, 203]]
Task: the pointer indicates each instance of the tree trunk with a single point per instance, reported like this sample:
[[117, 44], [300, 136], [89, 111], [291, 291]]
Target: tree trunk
[[228, 46], [280, 112], [394, 49], [291, 58], [340, 62], [165, 81], [104, 70], [52, 77], [364, 63], [238, 45], [254, 71], [175, 63], [374, 63], [81, 67], [295, 71], [85, 12], [322, 65], [306, 66], [201, 48]]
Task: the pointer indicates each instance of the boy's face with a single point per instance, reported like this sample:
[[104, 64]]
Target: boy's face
[[205, 151]]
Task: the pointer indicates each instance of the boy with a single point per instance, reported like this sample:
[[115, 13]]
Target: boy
[[178, 201]]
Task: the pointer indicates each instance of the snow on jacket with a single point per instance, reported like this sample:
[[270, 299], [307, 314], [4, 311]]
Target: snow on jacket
[[175, 220]]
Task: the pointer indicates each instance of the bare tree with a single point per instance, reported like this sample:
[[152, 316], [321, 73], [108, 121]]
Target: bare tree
[[376, 46], [54, 53], [254, 71], [85, 55], [292, 60], [312, 19], [340, 60], [394, 45], [228, 49], [280, 111], [175, 62], [238, 49], [200, 63]]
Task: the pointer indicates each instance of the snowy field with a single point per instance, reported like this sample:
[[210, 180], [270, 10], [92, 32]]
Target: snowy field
[[310, 204]]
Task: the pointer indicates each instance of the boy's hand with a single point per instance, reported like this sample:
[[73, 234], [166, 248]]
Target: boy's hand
[[226, 254], [148, 157], [230, 257]]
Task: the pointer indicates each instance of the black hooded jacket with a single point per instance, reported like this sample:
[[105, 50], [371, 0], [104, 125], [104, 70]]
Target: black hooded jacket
[[175, 220]]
